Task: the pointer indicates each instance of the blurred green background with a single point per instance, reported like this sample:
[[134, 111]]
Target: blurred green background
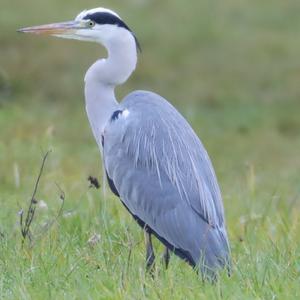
[[231, 68]]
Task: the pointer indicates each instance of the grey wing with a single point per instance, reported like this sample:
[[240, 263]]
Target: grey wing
[[164, 176]]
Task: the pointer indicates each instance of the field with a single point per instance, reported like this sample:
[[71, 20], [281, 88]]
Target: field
[[231, 68]]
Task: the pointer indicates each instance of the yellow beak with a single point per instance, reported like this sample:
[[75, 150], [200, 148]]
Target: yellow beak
[[54, 29]]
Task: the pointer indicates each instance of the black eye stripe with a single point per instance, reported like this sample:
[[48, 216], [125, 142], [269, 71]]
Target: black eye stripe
[[103, 18]]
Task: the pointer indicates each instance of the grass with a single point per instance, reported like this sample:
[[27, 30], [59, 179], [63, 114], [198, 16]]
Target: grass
[[232, 69]]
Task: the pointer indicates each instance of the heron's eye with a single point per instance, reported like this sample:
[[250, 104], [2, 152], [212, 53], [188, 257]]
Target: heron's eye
[[91, 24]]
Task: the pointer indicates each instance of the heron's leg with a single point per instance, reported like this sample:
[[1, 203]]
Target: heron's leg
[[150, 257], [166, 257]]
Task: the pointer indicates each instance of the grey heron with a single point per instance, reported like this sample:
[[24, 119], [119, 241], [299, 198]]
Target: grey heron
[[154, 161]]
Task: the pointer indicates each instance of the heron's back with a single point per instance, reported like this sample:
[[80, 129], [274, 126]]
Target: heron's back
[[164, 176]]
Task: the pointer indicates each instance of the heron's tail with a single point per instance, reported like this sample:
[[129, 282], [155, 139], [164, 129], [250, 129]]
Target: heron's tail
[[214, 254]]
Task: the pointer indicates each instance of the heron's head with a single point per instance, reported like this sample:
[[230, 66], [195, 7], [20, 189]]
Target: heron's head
[[99, 25]]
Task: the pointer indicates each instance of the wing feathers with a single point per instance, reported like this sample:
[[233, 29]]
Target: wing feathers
[[164, 176]]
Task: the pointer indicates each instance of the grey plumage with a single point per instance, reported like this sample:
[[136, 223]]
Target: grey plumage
[[164, 176], [153, 159]]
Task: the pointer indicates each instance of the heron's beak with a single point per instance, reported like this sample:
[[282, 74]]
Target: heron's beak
[[57, 29]]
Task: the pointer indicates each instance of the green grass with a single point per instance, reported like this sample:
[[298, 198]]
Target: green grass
[[232, 68]]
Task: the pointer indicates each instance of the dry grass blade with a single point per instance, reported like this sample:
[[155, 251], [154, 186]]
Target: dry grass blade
[[25, 225]]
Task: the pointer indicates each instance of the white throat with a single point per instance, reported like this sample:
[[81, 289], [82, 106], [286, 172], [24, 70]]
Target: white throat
[[105, 74]]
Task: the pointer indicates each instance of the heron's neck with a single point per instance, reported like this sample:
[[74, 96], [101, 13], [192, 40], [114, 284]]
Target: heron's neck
[[100, 104], [102, 78]]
